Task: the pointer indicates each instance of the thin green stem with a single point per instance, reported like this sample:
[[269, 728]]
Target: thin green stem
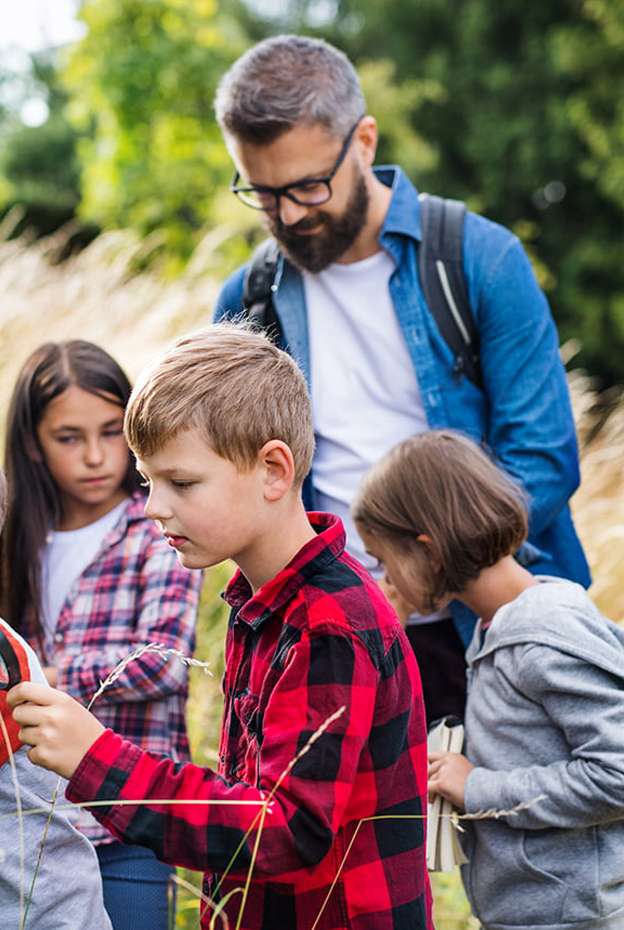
[[116, 802], [317, 733], [251, 867], [42, 843]]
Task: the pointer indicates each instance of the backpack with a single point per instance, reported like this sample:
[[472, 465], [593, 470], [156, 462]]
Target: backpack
[[441, 270]]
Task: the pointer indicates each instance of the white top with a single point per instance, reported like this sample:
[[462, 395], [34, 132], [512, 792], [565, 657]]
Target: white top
[[365, 396], [65, 557]]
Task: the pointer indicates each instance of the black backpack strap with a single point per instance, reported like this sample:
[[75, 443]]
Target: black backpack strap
[[259, 287], [441, 268]]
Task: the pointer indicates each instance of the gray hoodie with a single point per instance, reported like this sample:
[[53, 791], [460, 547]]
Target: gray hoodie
[[68, 890], [545, 719]]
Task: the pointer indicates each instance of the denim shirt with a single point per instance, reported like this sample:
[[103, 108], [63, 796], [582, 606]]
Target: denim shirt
[[522, 412]]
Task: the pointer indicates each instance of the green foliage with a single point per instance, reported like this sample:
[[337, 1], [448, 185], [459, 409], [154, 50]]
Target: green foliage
[[516, 108], [399, 102], [143, 79], [38, 165]]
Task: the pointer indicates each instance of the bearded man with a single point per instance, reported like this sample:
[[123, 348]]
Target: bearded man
[[351, 310]]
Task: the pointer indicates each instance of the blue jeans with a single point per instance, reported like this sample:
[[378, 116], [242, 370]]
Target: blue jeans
[[138, 890]]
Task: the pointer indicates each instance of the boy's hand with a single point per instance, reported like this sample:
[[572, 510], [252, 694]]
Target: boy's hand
[[59, 729], [448, 772]]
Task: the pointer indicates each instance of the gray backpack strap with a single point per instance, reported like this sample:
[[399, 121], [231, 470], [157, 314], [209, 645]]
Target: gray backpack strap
[[258, 290], [441, 268]]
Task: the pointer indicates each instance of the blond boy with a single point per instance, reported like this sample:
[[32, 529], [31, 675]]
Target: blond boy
[[222, 431]]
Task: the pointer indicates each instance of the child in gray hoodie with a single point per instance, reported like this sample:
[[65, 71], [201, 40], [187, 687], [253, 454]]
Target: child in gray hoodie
[[64, 876], [545, 713]]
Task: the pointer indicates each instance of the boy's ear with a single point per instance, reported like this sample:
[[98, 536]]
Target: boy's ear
[[277, 460]]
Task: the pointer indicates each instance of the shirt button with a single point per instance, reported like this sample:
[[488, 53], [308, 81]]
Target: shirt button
[[58, 637]]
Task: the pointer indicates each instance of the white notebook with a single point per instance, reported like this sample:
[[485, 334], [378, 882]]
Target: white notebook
[[444, 851]]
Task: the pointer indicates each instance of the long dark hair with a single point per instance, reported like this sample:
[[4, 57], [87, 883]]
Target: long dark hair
[[34, 505]]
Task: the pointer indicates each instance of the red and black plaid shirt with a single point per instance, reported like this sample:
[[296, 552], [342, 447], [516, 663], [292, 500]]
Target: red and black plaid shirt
[[318, 636]]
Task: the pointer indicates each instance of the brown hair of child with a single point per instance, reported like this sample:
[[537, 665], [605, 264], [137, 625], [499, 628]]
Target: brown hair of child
[[441, 485]]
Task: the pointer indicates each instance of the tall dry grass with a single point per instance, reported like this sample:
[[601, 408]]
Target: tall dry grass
[[100, 295], [598, 505], [96, 295]]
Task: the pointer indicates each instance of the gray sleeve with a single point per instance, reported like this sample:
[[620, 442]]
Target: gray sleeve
[[587, 704], [67, 894]]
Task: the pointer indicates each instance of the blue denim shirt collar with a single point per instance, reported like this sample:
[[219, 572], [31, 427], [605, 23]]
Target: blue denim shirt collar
[[403, 216]]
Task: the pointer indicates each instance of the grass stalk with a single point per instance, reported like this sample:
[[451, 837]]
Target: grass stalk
[[108, 681], [254, 854], [204, 898], [304, 749], [116, 802], [42, 843]]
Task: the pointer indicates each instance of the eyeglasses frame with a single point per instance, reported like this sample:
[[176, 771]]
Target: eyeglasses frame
[[279, 192]]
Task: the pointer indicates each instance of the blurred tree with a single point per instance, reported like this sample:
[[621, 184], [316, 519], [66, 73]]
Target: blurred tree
[[38, 163], [526, 123], [143, 80]]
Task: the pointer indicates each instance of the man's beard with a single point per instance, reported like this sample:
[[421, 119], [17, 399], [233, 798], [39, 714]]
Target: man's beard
[[315, 252]]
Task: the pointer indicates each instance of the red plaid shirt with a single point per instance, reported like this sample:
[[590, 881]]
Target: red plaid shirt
[[134, 592], [318, 636]]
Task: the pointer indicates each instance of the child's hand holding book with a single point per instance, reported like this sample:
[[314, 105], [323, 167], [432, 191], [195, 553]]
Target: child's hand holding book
[[59, 729], [448, 772]]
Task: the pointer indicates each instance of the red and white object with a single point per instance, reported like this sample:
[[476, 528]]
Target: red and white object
[[17, 663]]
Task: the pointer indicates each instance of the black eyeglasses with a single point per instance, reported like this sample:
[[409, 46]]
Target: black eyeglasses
[[311, 192]]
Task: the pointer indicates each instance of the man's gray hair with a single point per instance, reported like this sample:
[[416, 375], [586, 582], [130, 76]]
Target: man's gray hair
[[286, 81]]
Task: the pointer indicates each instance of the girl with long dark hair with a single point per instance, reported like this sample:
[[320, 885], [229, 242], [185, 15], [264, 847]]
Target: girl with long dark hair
[[85, 577]]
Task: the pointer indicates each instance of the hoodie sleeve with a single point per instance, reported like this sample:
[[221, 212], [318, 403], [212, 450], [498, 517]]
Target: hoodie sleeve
[[65, 887], [586, 703]]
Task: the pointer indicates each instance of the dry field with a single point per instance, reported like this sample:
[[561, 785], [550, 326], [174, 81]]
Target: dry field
[[100, 295]]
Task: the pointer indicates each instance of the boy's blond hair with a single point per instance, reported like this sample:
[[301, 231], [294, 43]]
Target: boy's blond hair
[[233, 385]]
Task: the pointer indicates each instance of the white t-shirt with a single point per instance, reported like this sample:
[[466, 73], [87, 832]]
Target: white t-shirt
[[65, 557], [365, 395]]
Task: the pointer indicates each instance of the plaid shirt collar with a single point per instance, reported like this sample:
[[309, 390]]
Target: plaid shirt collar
[[134, 510], [313, 557]]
